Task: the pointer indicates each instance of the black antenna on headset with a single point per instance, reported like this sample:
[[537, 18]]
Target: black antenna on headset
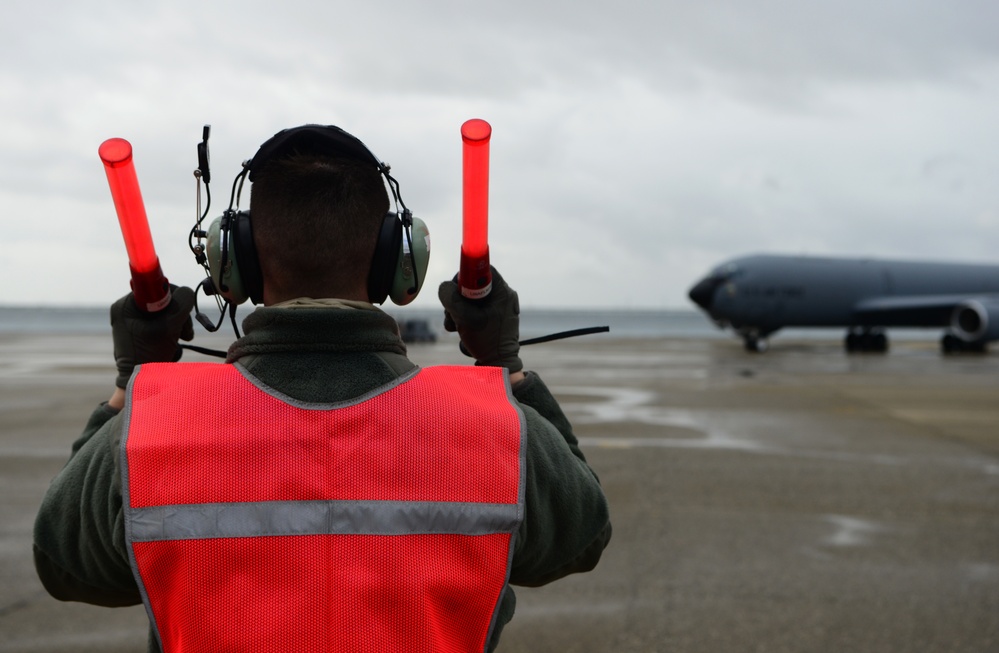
[[198, 235], [195, 241]]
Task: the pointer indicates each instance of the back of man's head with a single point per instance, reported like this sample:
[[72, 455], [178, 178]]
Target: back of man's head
[[315, 225]]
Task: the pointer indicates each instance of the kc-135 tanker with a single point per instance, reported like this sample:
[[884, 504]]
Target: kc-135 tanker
[[758, 295]]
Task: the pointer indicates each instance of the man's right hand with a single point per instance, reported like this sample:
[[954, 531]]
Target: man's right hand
[[489, 327], [141, 337]]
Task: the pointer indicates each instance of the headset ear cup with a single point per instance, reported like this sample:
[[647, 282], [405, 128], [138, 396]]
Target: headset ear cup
[[383, 261], [411, 264], [225, 274], [243, 251]]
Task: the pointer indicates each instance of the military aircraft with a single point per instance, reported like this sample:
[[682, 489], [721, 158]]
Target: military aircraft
[[758, 295]]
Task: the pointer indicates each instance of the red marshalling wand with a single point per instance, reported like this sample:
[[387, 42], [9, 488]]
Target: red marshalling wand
[[474, 276], [149, 286]]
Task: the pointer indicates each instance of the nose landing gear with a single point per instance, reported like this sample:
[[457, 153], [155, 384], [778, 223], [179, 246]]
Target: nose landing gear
[[755, 341]]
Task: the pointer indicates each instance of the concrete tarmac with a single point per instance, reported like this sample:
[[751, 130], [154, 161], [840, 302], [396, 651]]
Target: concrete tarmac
[[800, 500]]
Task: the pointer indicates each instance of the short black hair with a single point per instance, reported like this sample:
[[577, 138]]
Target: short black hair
[[316, 221]]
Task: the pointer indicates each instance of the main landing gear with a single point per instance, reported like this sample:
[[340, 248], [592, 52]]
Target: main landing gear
[[951, 344], [866, 339]]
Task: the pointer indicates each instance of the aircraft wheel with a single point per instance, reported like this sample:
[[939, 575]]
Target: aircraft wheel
[[755, 345], [951, 344], [867, 340]]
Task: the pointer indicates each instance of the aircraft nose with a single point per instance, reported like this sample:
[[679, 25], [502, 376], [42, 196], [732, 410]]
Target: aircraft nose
[[703, 292]]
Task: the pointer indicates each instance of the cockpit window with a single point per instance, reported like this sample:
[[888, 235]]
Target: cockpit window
[[726, 272]]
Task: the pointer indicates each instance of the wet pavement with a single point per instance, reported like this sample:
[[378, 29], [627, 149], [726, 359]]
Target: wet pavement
[[798, 500]]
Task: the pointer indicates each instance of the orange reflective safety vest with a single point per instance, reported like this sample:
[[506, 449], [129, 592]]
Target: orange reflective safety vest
[[256, 522]]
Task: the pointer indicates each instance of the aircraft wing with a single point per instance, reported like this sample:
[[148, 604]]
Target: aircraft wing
[[912, 310]]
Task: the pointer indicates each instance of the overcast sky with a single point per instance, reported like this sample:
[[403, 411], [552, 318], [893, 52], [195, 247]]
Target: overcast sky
[[635, 144]]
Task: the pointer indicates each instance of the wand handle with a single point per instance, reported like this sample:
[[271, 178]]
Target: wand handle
[[474, 276], [149, 286]]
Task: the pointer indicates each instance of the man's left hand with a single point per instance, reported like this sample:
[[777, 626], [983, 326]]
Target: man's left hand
[[142, 337]]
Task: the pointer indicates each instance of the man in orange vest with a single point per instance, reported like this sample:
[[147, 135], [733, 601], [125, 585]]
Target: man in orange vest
[[319, 491]]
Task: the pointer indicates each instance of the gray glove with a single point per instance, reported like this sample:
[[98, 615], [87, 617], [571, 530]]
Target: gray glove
[[489, 327], [141, 337]]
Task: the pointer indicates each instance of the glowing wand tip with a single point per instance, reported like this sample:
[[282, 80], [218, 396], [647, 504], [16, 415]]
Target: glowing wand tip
[[474, 275]]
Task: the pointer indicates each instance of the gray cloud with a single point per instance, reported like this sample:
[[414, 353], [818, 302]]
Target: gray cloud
[[635, 144]]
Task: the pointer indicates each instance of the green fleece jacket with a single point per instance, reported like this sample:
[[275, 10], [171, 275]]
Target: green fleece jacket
[[324, 355]]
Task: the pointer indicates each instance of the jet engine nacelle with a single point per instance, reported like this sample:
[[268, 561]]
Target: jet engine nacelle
[[975, 320]]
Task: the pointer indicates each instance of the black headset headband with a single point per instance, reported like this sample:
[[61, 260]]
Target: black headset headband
[[323, 140]]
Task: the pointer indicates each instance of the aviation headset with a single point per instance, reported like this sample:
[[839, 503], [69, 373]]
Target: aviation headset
[[401, 254]]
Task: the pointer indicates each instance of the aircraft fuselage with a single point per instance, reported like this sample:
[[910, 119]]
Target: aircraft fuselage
[[761, 294]]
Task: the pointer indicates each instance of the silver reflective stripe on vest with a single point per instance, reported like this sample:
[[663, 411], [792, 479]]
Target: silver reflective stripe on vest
[[261, 519]]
